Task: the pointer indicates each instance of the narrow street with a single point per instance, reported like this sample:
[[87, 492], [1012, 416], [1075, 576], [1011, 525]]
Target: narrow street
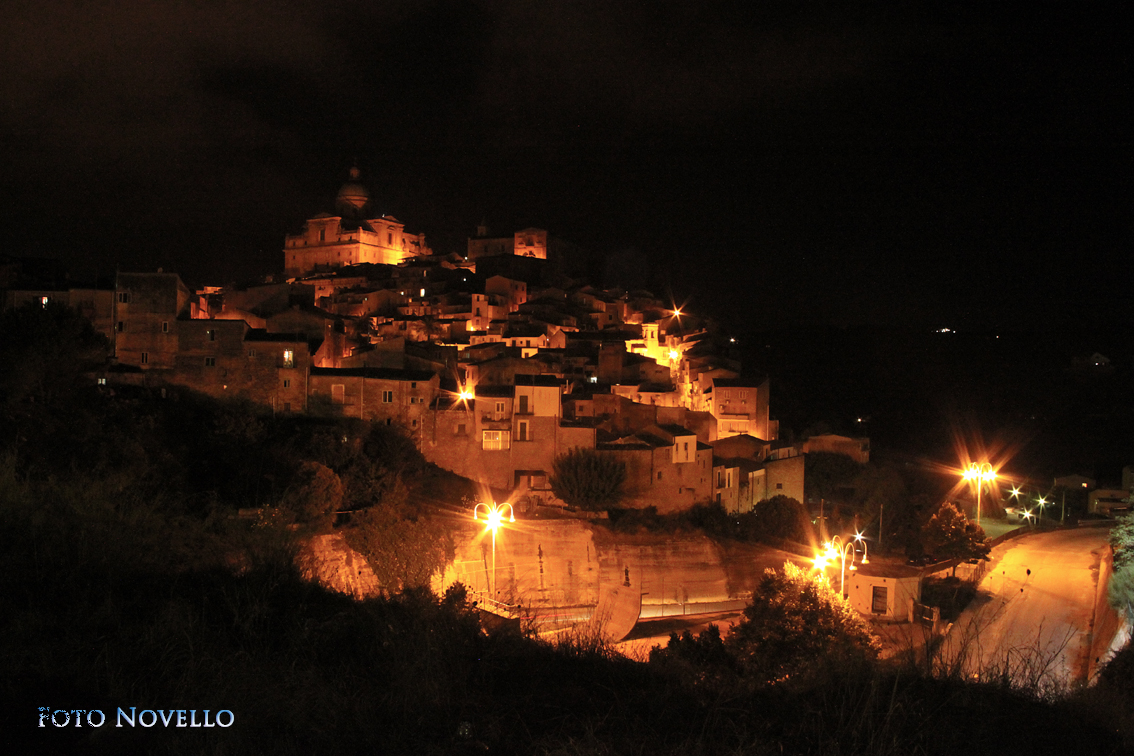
[[1031, 619]]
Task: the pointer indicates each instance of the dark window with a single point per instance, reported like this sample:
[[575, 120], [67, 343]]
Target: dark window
[[878, 600], [165, 326], [287, 383], [120, 326], [779, 486], [210, 362], [145, 358], [387, 397], [124, 297], [211, 335]]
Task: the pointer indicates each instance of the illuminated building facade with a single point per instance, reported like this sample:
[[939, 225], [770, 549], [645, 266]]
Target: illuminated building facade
[[351, 237]]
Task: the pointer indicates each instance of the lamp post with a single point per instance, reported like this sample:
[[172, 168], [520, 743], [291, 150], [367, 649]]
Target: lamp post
[[1042, 502], [493, 516], [837, 549], [979, 473]]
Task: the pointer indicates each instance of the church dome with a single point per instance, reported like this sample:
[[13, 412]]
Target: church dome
[[352, 195]]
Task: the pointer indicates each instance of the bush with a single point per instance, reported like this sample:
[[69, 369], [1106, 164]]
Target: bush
[[404, 552], [795, 625]]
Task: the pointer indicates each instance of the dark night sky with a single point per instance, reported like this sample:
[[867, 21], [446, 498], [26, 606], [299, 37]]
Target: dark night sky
[[819, 161]]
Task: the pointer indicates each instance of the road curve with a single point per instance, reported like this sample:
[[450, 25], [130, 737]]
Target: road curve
[[1031, 619]]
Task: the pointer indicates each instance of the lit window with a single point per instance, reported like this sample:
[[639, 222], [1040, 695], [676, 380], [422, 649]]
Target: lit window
[[496, 440], [102, 381], [288, 358], [43, 301]]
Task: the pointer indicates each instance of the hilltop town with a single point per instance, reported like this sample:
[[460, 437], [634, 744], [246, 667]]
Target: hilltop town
[[494, 362]]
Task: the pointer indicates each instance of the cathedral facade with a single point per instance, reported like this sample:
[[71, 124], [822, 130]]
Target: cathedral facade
[[351, 237]]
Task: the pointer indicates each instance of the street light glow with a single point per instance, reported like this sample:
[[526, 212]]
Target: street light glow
[[494, 517], [835, 549], [981, 474]]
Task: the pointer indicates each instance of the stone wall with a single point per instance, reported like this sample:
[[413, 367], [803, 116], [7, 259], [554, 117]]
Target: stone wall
[[328, 560]]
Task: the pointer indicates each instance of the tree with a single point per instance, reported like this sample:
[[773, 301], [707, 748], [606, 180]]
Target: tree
[[950, 535], [1120, 589], [797, 624], [588, 479], [315, 493], [45, 351], [826, 472], [782, 517], [1122, 540]]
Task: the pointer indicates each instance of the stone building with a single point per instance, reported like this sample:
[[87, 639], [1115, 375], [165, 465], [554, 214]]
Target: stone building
[[389, 396], [666, 467], [503, 436], [147, 307], [352, 237]]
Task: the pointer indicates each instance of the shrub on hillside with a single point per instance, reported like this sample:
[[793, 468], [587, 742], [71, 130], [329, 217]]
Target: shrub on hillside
[[404, 552]]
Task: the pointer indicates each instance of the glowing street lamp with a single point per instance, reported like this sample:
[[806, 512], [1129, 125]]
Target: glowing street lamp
[[1042, 502], [980, 473], [836, 549], [494, 517]]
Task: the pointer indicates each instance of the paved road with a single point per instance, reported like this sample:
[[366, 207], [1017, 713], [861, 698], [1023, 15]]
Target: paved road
[[1032, 616]]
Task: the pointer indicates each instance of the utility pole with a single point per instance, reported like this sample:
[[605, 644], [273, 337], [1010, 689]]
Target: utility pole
[[1063, 507], [881, 509]]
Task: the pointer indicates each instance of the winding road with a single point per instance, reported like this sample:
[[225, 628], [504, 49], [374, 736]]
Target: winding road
[[1031, 619]]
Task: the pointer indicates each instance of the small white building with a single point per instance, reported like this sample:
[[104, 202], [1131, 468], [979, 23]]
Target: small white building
[[882, 596]]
